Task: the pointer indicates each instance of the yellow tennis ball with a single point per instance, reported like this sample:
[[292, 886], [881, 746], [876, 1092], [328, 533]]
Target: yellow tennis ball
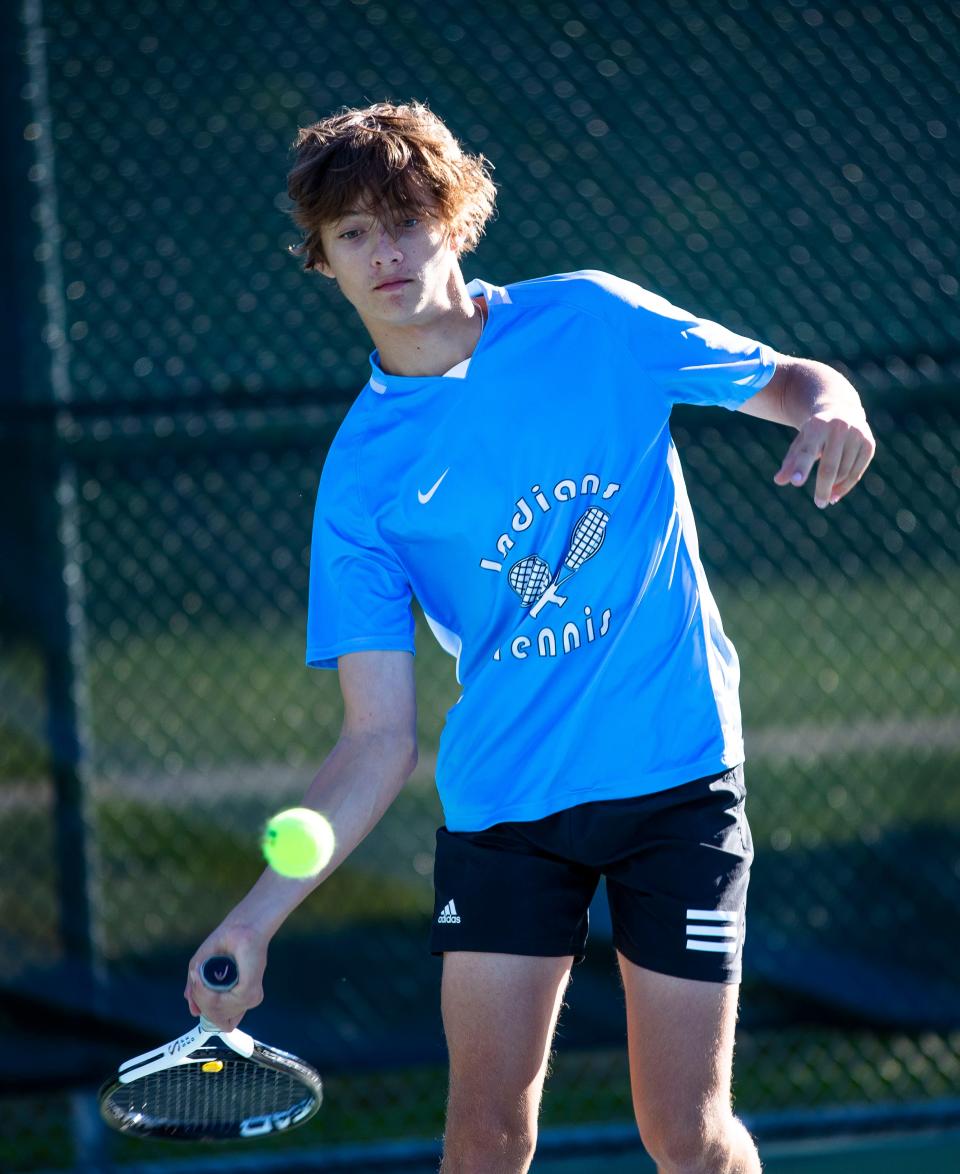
[[298, 842]]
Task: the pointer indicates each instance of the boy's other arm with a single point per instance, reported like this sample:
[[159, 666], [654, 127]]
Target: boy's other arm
[[831, 426], [373, 757]]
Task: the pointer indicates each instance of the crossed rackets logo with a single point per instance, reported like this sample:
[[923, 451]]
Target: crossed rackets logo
[[532, 578]]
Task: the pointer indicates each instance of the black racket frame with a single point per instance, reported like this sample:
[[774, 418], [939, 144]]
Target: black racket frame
[[264, 1125]]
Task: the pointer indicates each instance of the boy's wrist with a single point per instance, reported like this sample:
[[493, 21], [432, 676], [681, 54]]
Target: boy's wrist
[[268, 904]]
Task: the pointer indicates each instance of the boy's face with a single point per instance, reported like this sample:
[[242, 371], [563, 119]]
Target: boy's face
[[398, 273]]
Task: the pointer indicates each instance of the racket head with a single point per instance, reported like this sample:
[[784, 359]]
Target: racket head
[[213, 1093], [587, 537], [530, 577]]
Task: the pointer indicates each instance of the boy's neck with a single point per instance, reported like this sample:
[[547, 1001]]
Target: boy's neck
[[435, 347]]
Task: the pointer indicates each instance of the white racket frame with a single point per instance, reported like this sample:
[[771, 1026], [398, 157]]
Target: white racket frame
[[179, 1051]]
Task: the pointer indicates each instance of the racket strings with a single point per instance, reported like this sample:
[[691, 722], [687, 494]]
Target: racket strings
[[587, 537], [188, 1096], [530, 577]]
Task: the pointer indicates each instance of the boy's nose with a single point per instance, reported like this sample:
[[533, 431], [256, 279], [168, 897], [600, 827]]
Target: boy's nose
[[385, 246]]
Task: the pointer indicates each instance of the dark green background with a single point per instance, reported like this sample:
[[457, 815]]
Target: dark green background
[[171, 382]]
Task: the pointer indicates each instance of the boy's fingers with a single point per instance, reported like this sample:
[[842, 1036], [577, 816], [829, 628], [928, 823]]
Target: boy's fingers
[[830, 459], [801, 455], [842, 484], [862, 460], [850, 454], [844, 451]]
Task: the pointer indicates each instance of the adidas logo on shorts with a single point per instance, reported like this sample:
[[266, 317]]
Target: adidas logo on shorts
[[449, 915]]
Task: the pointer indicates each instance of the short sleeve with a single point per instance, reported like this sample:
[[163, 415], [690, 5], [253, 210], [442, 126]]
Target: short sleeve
[[691, 360], [360, 599]]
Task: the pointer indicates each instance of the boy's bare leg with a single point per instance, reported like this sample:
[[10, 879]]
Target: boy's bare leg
[[499, 1014], [680, 1035]]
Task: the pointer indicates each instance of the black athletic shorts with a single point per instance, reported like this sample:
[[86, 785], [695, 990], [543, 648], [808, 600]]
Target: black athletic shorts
[[677, 865]]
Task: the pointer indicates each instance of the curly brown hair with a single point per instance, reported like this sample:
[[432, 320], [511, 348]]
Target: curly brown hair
[[394, 161]]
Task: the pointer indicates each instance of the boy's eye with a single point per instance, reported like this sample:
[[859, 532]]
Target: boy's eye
[[402, 226]]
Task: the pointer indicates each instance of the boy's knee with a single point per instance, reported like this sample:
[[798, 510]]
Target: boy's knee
[[482, 1143], [702, 1142]]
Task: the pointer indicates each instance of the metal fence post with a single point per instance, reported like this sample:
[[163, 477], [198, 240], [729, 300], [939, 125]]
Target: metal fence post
[[58, 607]]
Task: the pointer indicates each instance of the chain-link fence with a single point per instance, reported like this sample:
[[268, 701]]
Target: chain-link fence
[[174, 380]]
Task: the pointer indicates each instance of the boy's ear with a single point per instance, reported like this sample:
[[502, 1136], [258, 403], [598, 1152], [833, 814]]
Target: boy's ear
[[324, 268], [457, 238]]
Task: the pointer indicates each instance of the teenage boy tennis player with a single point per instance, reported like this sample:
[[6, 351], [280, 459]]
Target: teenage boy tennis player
[[509, 463]]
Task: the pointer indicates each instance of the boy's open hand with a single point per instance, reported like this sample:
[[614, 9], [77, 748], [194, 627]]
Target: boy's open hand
[[844, 445]]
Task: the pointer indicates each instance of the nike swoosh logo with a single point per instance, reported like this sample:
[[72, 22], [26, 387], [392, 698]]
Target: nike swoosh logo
[[425, 497]]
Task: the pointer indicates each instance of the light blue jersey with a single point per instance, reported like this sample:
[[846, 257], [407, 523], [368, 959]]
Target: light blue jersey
[[536, 509]]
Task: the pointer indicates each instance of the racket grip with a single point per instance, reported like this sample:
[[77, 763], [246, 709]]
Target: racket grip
[[219, 972]]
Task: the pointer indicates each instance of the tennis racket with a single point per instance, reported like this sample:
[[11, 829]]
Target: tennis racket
[[531, 578], [209, 1084]]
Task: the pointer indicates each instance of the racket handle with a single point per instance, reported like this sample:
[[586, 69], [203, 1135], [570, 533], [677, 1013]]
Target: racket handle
[[219, 972]]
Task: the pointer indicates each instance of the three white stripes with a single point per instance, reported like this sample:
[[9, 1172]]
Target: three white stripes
[[726, 927]]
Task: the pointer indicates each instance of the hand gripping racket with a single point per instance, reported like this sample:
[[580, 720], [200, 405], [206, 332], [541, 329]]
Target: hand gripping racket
[[209, 1084], [530, 577]]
